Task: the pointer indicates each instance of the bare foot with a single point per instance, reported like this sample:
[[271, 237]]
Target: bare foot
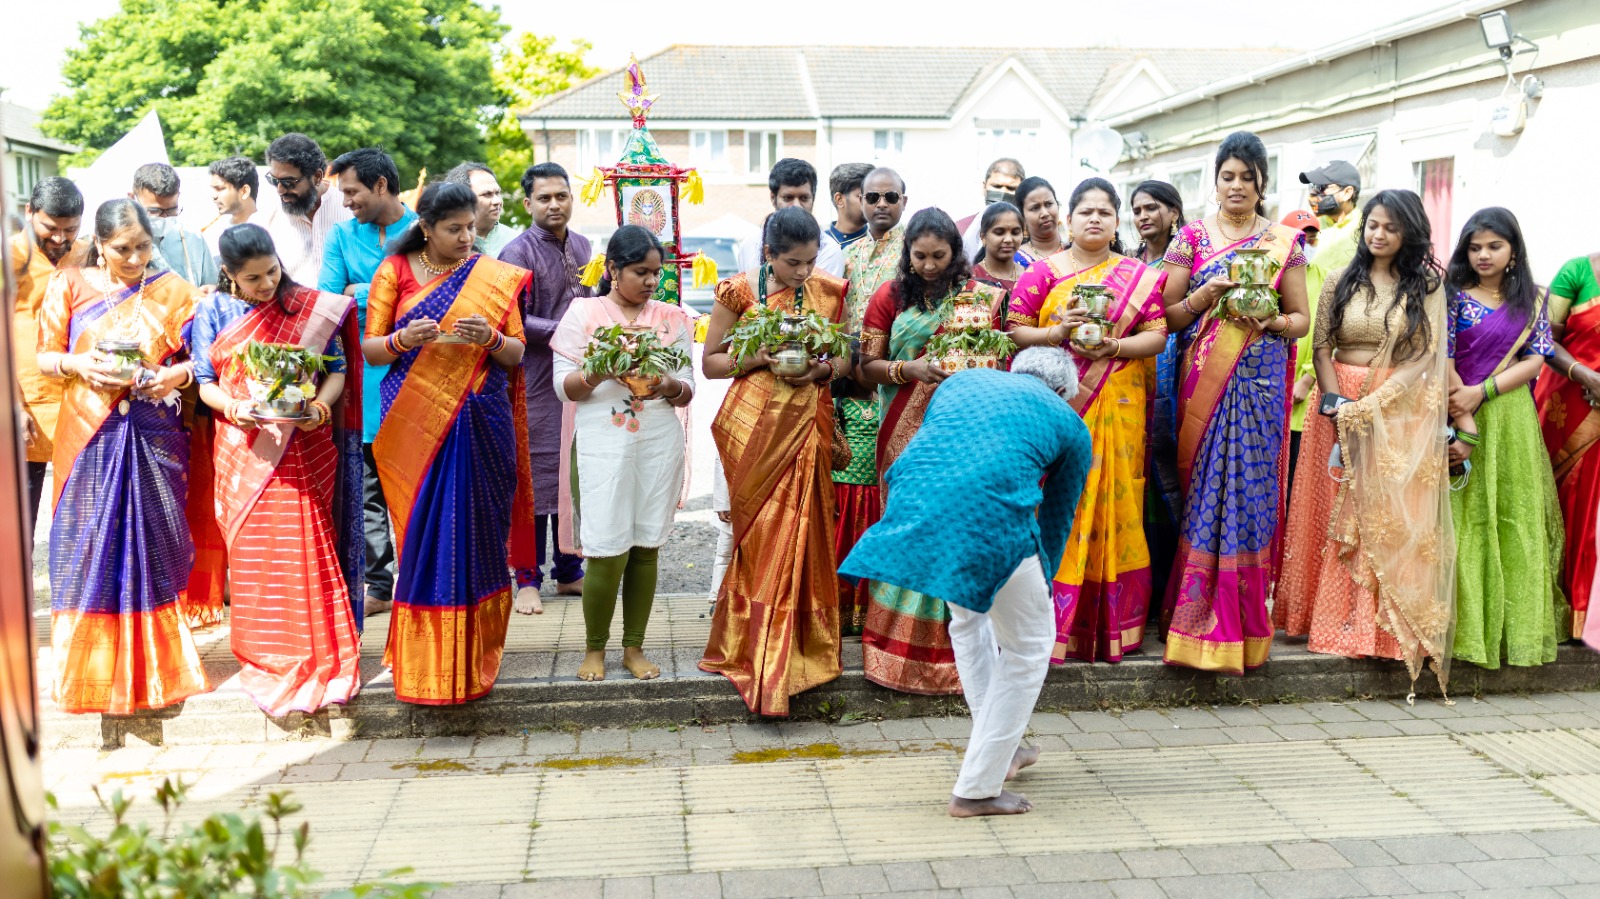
[[373, 607], [573, 589], [527, 601], [640, 667], [1026, 757], [1007, 803], [593, 667]]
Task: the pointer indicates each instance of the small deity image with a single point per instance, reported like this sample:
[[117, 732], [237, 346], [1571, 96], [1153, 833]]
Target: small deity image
[[647, 207]]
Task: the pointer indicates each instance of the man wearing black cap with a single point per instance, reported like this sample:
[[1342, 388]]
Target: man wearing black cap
[[1334, 189]]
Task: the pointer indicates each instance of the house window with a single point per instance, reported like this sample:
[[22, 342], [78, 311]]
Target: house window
[[28, 174], [1270, 200], [1194, 197], [1015, 140], [762, 149], [709, 150], [887, 145], [1436, 181], [600, 147]]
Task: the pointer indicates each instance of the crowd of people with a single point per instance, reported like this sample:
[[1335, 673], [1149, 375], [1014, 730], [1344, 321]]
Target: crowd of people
[[1394, 461]]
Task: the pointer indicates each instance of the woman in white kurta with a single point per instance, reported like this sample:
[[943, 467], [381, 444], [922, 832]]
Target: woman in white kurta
[[622, 458]]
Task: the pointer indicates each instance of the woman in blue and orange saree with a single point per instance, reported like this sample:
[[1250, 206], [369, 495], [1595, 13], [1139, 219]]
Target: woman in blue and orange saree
[[452, 452], [120, 552], [288, 493], [1101, 585], [1232, 391]]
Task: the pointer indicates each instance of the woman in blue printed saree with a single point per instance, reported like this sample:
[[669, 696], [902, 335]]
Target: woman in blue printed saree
[[452, 451], [1232, 389], [120, 552]]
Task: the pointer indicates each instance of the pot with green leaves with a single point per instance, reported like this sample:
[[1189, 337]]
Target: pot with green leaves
[[956, 351], [281, 378], [1254, 271], [795, 340], [634, 355], [1093, 300], [123, 357]]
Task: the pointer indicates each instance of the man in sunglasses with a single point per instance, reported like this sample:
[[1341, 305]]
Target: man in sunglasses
[[301, 221], [184, 252], [874, 260]]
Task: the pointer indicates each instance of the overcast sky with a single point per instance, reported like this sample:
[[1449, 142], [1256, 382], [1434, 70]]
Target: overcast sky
[[30, 66]]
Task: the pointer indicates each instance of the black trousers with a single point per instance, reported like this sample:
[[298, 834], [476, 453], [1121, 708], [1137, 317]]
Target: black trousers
[[1294, 456], [375, 524], [36, 474]]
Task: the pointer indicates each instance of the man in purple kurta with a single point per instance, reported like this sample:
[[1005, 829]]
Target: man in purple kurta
[[555, 256]]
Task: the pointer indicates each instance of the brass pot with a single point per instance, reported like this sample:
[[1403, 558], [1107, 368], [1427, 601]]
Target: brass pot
[[639, 385], [1253, 266], [791, 360]]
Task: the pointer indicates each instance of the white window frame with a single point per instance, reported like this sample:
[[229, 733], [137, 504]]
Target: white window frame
[[757, 143], [888, 145], [1197, 196], [589, 154], [703, 150]]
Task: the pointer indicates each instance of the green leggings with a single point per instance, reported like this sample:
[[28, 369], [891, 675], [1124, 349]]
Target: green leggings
[[635, 572]]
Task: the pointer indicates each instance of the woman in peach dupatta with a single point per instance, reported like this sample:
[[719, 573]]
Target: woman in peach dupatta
[[1372, 572], [120, 553], [1102, 582], [288, 497], [1233, 398], [775, 631], [452, 452]]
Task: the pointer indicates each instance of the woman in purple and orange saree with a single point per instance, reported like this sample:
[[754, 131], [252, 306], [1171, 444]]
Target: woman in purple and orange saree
[[120, 553], [1569, 413], [1101, 585], [905, 644], [287, 492], [452, 452], [1233, 389], [775, 628]]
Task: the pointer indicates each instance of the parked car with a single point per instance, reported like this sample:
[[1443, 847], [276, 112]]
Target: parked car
[[724, 251]]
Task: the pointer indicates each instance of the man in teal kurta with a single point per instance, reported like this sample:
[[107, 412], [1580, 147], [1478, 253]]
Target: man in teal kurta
[[985, 490]]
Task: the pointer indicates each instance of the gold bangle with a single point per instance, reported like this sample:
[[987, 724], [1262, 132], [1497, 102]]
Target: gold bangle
[[1116, 350], [1570, 368]]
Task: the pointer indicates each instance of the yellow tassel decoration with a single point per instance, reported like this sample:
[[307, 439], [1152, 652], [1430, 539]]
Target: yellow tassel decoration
[[590, 276], [694, 190], [704, 270], [593, 188]]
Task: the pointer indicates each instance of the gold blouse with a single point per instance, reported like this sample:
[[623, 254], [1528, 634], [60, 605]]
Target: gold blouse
[[1365, 325]]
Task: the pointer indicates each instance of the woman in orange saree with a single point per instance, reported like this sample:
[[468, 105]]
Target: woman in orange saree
[[1101, 585], [452, 452], [1569, 412], [905, 644], [1233, 399], [120, 552], [775, 631], [284, 495]]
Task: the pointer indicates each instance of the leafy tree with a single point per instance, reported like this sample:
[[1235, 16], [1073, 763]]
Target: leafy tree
[[227, 76], [529, 70]]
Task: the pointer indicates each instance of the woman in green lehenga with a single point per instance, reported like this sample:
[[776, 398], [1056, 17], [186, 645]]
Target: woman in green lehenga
[[1509, 604], [905, 643]]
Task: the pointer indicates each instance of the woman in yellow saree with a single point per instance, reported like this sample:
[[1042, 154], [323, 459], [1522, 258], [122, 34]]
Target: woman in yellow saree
[[776, 627], [1102, 583], [452, 452]]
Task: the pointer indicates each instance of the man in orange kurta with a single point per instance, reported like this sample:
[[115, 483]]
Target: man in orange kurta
[[54, 212]]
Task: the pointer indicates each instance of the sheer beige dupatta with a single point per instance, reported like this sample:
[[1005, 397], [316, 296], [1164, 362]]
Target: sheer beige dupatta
[[1391, 522]]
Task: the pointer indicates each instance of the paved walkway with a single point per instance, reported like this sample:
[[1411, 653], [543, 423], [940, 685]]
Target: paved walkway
[[1486, 797]]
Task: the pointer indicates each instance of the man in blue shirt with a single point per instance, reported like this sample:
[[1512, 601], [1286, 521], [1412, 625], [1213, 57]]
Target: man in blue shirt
[[980, 505], [368, 179]]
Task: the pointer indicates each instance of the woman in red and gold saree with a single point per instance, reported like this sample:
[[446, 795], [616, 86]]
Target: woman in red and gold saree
[[905, 644], [775, 631], [452, 452], [287, 495], [1569, 412], [1233, 393], [1101, 584], [120, 553]]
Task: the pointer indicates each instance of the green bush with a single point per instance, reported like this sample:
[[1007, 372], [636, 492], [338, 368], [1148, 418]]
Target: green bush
[[226, 856]]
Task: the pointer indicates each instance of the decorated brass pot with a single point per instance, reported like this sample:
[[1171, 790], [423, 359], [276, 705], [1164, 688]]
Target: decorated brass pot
[[968, 313], [1253, 266], [954, 362], [1255, 271], [791, 360]]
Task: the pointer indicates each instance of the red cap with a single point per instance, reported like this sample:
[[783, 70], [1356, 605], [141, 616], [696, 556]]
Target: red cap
[[1301, 220]]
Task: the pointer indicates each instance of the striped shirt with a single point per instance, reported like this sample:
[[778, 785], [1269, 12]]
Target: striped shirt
[[300, 240]]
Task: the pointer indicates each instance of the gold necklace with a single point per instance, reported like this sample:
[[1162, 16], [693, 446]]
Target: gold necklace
[[1238, 221], [1247, 222], [428, 266], [121, 323]]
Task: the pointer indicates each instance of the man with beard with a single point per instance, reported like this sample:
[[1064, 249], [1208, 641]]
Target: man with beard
[[555, 255], [54, 211], [301, 222], [184, 252]]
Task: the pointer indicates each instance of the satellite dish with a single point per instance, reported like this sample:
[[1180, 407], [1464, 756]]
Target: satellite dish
[[1099, 147]]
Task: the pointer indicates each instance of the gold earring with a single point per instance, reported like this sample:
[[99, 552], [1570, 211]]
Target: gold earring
[[1172, 230]]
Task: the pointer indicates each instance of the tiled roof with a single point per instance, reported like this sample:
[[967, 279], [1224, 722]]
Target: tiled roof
[[21, 124], [710, 82]]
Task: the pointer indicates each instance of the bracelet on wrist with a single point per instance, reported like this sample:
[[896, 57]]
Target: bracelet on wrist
[[1490, 388], [1571, 368], [394, 345], [1468, 437], [1188, 308]]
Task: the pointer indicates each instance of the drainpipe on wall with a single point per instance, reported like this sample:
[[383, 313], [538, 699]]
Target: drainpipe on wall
[[544, 129]]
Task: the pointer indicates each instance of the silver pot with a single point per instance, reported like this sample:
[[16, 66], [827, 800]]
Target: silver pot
[[123, 357], [281, 408]]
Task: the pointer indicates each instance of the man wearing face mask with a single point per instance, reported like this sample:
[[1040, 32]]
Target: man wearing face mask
[[155, 187], [1335, 188], [1000, 183]]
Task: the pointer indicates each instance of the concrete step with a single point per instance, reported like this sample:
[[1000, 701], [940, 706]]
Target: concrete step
[[538, 688]]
